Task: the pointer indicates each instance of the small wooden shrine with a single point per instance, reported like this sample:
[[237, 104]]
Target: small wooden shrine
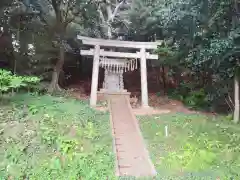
[[116, 63]]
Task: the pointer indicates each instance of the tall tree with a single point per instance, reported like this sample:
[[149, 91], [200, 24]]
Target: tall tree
[[204, 36], [112, 12], [58, 16]]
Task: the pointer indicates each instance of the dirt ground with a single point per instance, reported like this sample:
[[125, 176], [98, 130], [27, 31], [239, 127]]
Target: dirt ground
[[158, 104]]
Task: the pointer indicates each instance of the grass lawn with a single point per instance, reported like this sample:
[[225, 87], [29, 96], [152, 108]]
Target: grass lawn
[[46, 137], [196, 147]]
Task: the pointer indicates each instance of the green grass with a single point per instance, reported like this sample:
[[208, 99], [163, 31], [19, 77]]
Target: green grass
[[196, 148], [46, 137]]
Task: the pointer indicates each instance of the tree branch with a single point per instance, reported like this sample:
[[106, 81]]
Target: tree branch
[[113, 15], [43, 19], [101, 14], [67, 21], [66, 13], [56, 8], [109, 12]]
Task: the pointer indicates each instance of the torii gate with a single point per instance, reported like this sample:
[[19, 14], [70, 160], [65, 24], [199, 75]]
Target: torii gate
[[97, 53]]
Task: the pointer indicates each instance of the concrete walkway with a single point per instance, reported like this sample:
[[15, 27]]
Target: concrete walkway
[[132, 158]]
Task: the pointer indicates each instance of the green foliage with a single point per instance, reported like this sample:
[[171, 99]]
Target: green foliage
[[189, 158], [191, 96], [45, 137], [196, 146], [167, 55], [8, 81], [196, 99], [200, 37], [158, 94]]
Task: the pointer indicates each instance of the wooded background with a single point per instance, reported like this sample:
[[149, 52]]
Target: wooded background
[[198, 61]]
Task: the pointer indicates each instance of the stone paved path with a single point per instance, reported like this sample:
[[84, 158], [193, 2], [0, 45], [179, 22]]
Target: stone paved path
[[132, 156]]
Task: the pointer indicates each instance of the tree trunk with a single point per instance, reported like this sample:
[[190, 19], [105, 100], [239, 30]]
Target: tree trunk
[[236, 99], [18, 40], [54, 86], [157, 72], [109, 32], [164, 80]]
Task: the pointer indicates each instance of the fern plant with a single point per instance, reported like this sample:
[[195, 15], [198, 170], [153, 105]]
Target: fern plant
[[9, 81]]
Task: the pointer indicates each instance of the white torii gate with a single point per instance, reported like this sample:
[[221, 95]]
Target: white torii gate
[[97, 52]]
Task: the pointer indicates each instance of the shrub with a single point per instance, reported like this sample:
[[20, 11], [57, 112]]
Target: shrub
[[196, 99], [9, 81]]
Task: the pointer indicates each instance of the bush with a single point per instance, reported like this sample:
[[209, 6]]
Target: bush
[[9, 81], [196, 99], [190, 95]]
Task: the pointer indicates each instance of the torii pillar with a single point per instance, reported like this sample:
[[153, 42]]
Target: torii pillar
[[95, 73], [144, 84]]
